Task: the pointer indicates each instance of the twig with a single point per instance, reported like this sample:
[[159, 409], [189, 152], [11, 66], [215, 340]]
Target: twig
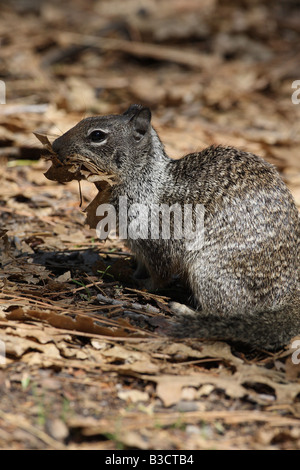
[[20, 422], [148, 294], [23, 108], [188, 58]]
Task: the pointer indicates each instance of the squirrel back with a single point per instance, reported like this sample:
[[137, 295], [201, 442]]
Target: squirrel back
[[244, 272]]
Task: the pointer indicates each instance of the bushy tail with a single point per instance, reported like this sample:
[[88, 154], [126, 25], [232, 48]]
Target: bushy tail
[[265, 330]]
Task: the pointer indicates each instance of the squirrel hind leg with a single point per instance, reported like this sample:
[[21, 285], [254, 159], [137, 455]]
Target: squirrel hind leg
[[150, 278], [154, 283], [141, 271]]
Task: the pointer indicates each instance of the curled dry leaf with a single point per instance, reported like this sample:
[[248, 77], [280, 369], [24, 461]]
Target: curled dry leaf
[[79, 323]]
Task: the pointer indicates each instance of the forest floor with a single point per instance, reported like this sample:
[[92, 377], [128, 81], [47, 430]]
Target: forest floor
[[83, 363]]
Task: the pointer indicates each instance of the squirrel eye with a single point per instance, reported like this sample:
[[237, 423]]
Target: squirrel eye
[[97, 136]]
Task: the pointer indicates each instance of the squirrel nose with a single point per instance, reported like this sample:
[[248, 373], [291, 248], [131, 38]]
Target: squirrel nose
[[58, 148], [56, 145]]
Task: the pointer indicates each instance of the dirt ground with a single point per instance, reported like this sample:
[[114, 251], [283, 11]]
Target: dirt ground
[[83, 362]]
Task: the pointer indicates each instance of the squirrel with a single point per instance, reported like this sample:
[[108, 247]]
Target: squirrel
[[244, 278]]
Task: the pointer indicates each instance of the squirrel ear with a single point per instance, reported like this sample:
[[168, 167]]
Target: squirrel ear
[[140, 118]]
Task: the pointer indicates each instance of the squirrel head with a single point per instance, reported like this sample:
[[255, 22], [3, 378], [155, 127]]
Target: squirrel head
[[110, 142]]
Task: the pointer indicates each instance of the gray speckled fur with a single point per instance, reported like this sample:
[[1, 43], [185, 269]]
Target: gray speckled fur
[[245, 278]]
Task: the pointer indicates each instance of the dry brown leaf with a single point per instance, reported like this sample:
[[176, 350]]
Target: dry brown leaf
[[78, 323], [102, 197], [245, 382], [45, 141], [17, 346], [169, 387], [216, 349]]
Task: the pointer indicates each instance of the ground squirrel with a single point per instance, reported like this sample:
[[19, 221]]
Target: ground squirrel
[[245, 275]]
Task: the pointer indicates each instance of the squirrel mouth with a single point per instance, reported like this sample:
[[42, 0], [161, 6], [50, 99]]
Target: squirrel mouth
[[79, 167], [83, 167], [74, 167]]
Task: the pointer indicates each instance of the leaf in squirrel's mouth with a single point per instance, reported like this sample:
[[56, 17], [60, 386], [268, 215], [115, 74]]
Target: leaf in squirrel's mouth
[[88, 170], [78, 167], [74, 167]]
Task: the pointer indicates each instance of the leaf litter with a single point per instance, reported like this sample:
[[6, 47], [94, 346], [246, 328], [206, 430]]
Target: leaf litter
[[88, 362]]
